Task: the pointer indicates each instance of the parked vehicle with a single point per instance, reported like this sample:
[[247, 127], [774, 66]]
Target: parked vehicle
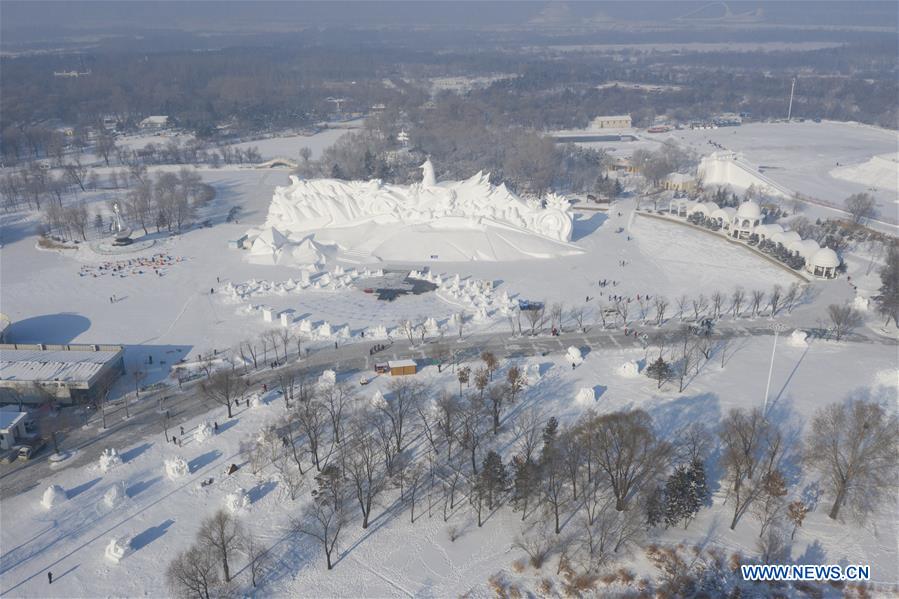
[[26, 452]]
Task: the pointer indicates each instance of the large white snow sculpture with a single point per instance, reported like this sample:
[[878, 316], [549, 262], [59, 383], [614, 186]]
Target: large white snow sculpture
[[53, 496], [574, 356], [629, 370], [109, 459], [307, 205], [176, 468], [237, 500], [798, 338], [114, 495], [117, 548], [204, 431], [585, 397]]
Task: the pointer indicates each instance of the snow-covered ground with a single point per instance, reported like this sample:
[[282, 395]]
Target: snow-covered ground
[[828, 160], [801, 156], [161, 507], [290, 146], [209, 296]]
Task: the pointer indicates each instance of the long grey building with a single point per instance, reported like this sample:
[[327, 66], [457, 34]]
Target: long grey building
[[77, 373]]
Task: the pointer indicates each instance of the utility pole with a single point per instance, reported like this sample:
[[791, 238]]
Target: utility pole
[[777, 328], [792, 89]]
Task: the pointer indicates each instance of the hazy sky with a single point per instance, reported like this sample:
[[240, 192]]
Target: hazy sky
[[38, 20]]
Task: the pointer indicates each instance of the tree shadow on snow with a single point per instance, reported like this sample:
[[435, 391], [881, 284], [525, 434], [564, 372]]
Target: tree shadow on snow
[[227, 424], [146, 537], [141, 486], [814, 554], [203, 460], [76, 491], [261, 490], [134, 452]]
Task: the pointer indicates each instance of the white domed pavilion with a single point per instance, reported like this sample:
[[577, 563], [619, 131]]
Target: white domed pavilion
[[824, 263], [748, 217]]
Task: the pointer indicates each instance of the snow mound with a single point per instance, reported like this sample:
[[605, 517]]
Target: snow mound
[[237, 500], [629, 370], [798, 338], [255, 400], [328, 377], [532, 373], [203, 432], [114, 495], [585, 397], [861, 303], [109, 459], [53, 497], [574, 356], [881, 172], [378, 332], [176, 468], [117, 548], [377, 400]]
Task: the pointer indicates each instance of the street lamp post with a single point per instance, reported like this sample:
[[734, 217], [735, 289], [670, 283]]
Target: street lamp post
[[778, 328]]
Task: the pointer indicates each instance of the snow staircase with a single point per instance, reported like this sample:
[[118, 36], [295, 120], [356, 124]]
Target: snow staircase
[[357, 256]]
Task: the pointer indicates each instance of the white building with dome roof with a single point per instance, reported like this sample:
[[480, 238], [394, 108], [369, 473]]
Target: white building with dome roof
[[747, 218], [823, 263]]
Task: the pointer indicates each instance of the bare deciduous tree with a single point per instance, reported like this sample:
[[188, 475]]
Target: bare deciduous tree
[[661, 305], [337, 399], [736, 301], [751, 448], [221, 533], [627, 452], [843, 319], [225, 387], [774, 300], [855, 445], [536, 317], [362, 468], [861, 206], [324, 517], [193, 573], [405, 394]]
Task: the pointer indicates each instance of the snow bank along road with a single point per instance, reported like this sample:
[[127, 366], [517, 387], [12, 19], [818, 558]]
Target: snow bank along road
[[145, 419]]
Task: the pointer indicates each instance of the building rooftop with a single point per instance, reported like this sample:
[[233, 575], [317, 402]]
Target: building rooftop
[[400, 363], [53, 364], [9, 419]]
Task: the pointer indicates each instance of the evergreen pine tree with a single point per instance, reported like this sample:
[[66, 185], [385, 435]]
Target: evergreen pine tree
[[549, 436], [494, 478], [697, 480], [659, 371], [525, 484], [655, 507], [677, 493]]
